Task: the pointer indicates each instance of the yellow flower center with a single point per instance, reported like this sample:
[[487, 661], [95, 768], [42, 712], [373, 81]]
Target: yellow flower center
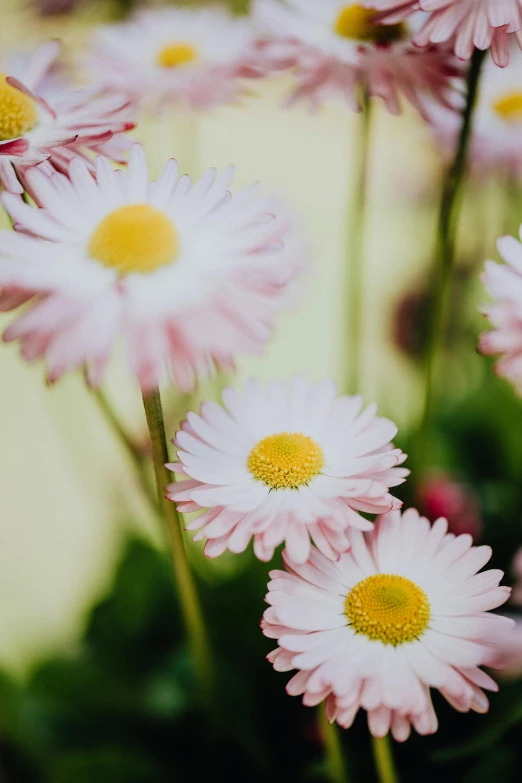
[[18, 112], [388, 608], [135, 238], [286, 461], [175, 54], [509, 107], [355, 21]]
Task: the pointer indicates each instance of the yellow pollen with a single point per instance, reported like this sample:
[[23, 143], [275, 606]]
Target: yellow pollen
[[286, 461], [175, 54], [355, 21], [388, 608], [509, 107], [135, 238], [18, 112]]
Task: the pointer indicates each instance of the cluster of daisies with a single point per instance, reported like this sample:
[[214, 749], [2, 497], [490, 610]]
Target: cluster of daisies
[[372, 614]]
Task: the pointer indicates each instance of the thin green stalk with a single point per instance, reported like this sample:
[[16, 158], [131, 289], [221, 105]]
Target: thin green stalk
[[333, 749], [383, 756], [355, 248], [512, 209], [189, 600], [449, 213], [137, 457], [189, 131]]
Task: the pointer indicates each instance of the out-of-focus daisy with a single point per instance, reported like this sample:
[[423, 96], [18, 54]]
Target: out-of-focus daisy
[[442, 495], [504, 284], [337, 48], [188, 275], [465, 23], [43, 119], [290, 463], [496, 144], [194, 56], [404, 611]]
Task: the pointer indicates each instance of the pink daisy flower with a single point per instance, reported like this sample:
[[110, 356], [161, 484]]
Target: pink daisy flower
[[504, 284], [43, 119], [188, 275], [404, 611], [290, 463], [192, 56], [336, 48], [467, 24], [496, 144]]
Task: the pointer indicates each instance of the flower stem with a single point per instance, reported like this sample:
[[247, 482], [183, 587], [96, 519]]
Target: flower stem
[[449, 213], [333, 749], [136, 455], [512, 204], [355, 247], [383, 756], [189, 600], [190, 131]]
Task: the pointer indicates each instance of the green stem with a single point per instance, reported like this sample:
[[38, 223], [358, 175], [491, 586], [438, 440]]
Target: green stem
[[189, 153], [449, 213], [189, 600], [333, 749], [512, 211], [355, 247], [137, 457], [383, 756]]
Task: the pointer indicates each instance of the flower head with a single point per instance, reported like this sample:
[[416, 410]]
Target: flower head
[[188, 275], [466, 24], [504, 284], [337, 48], [404, 611], [44, 119], [290, 463], [195, 57]]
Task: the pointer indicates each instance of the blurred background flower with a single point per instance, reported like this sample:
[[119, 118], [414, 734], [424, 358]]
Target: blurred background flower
[[466, 23], [337, 50], [44, 120], [192, 57]]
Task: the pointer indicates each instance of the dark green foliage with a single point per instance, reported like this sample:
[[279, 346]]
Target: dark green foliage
[[122, 708]]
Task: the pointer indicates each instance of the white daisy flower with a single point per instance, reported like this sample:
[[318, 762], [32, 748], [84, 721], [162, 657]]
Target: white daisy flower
[[42, 118], [404, 611], [194, 56], [289, 463], [464, 24], [503, 282], [188, 275], [338, 49]]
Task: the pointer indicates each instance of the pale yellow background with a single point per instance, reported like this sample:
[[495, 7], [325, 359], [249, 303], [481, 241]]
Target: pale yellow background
[[67, 490]]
